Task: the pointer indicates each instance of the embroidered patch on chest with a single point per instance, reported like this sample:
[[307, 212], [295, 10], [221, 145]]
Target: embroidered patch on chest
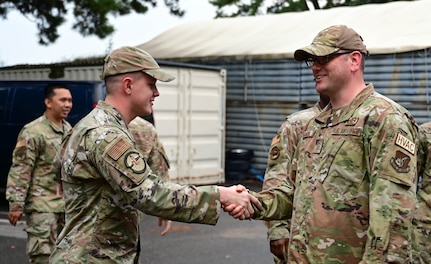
[[405, 143]]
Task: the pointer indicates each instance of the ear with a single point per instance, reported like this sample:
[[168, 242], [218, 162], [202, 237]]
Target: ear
[[356, 59], [127, 85], [47, 103]]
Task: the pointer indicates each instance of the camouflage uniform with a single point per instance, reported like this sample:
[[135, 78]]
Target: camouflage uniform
[[31, 187], [106, 181], [147, 141], [355, 185], [422, 215], [152, 150], [280, 155]]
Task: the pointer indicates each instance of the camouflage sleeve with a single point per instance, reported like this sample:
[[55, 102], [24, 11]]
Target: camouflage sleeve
[[158, 160], [424, 133], [147, 141], [421, 236], [277, 202], [392, 195], [125, 169], [20, 173], [424, 154], [279, 157]]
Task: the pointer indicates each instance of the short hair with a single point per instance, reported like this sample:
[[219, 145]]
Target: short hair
[[49, 89]]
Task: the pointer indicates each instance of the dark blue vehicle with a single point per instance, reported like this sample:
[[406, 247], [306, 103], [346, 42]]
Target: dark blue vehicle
[[22, 102]]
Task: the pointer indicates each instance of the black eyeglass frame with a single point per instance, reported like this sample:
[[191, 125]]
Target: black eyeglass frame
[[324, 59]]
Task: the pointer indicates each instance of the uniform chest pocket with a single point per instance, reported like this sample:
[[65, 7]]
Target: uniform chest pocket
[[342, 165], [52, 142]]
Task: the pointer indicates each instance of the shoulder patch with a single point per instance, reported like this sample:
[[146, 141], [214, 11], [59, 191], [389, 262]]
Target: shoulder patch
[[275, 140], [405, 143], [118, 149], [401, 162], [20, 143], [134, 161], [274, 153]]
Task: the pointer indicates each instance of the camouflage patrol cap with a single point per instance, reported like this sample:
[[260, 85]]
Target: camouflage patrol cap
[[131, 59], [330, 40]]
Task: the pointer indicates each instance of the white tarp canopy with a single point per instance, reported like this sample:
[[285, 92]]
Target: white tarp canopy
[[386, 28]]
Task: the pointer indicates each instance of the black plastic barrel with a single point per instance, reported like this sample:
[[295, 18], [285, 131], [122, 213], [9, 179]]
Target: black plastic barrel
[[238, 163]]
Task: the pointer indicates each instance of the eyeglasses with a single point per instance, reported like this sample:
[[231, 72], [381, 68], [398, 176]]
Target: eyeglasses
[[323, 59]]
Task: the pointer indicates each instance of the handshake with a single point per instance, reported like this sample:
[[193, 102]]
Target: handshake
[[237, 201]]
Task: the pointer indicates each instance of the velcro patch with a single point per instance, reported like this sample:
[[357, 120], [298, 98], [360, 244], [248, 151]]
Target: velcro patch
[[401, 162], [274, 153], [134, 161], [20, 143], [405, 143], [275, 140], [118, 149]]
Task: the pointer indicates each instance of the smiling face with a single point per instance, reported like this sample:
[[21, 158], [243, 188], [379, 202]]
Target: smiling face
[[341, 78], [333, 75], [143, 94], [59, 105]]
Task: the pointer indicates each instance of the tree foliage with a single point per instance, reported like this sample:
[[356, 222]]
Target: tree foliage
[[260, 7], [91, 15]]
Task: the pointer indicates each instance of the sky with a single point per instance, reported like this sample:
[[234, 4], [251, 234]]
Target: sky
[[19, 42]]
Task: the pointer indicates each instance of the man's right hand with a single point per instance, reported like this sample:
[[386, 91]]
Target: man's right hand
[[279, 248], [14, 217], [238, 202]]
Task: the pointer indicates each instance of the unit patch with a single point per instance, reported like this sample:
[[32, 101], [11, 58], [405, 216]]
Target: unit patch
[[134, 161], [405, 143], [401, 162], [274, 153]]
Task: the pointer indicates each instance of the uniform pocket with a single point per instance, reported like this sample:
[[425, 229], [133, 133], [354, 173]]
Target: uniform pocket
[[342, 166]]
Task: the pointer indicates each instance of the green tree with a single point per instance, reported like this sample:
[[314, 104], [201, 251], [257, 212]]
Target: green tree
[[259, 7], [91, 15]]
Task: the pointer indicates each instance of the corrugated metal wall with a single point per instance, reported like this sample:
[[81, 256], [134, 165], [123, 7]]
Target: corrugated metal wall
[[79, 73], [261, 93]]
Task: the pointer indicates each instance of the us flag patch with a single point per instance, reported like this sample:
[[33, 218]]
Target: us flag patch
[[118, 149]]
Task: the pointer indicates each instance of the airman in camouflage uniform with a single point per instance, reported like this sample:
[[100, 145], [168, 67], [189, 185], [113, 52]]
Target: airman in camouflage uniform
[[354, 169], [280, 155], [147, 141], [106, 180], [31, 188], [422, 215]]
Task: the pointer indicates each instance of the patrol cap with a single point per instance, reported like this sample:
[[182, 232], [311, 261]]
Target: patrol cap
[[131, 59], [330, 40]]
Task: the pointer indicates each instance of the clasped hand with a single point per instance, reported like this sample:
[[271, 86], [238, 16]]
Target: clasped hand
[[237, 201]]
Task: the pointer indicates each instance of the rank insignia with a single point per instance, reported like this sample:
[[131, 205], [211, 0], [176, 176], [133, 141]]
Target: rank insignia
[[352, 121], [401, 162], [134, 161]]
